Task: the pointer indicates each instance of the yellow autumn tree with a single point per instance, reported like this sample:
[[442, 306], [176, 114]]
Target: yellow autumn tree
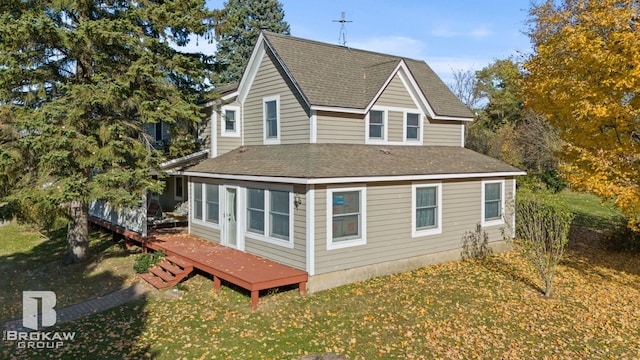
[[584, 75]]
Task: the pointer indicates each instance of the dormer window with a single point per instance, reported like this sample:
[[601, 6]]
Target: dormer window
[[230, 120], [271, 110], [412, 127], [230, 116], [376, 125]]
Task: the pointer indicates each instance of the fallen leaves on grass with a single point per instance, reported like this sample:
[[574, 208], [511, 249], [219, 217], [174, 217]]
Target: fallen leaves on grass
[[462, 310]]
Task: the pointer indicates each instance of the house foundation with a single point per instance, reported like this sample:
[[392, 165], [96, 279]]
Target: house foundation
[[338, 278]]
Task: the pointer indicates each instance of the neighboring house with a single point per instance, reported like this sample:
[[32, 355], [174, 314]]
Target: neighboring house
[[159, 135], [345, 163]]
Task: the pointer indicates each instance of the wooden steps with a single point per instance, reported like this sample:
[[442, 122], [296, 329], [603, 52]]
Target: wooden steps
[[168, 272]]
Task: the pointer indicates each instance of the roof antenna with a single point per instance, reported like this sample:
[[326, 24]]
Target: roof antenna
[[342, 39]]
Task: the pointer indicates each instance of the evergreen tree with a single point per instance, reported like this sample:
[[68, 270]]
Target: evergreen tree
[[238, 25], [78, 79]]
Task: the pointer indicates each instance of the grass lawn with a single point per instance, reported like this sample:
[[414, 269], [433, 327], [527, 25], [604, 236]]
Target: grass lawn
[[589, 209], [488, 309], [32, 261]]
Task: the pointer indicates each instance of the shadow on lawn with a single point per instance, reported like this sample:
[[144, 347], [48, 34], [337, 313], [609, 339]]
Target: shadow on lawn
[[588, 254], [114, 333], [585, 253], [512, 272]]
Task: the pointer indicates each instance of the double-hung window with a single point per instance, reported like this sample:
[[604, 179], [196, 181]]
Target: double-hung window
[[206, 203], [230, 121], [269, 216], [412, 127], [271, 110], [255, 211], [376, 125], [492, 202], [197, 201], [427, 209], [212, 203], [279, 214], [346, 217]]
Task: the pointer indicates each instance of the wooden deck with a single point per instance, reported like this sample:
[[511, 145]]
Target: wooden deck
[[246, 270]]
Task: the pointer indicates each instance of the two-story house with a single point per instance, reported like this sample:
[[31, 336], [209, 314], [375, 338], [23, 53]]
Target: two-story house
[[344, 163]]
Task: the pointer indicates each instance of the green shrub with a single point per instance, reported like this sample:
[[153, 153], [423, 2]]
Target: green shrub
[[548, 181], [146, 261]]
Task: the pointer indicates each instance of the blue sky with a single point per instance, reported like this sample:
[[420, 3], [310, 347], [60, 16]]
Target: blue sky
[[447, 34]]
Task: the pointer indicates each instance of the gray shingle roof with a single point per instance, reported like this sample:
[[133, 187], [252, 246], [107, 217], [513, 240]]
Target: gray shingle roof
[[315, 161], [338, 76]]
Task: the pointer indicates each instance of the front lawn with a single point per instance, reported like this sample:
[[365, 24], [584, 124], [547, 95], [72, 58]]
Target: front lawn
[[33, 261], [490, 309]]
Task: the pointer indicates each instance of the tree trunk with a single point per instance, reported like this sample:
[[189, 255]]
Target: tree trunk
[[78, 233], [548, 286]]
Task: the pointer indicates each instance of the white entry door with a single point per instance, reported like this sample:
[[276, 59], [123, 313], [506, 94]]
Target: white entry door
[[230, 235]]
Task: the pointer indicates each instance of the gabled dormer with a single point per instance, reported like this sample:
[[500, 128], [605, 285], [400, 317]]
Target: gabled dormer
[[300, 91], [296, 90]]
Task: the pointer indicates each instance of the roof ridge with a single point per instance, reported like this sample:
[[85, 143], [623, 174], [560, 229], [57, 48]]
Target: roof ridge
[[341, 77], [269, 33]]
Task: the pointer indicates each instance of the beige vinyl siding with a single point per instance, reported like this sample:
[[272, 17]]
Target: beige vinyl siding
[[294, 119], [442, 132], [396, 94], [340, 128], [228, 143], [295, 257], [205, 127], [205, 232], [322, 259], [395, 122], [389, 235]]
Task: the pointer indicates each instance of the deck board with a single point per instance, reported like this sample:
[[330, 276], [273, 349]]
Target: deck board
[[246, 270]]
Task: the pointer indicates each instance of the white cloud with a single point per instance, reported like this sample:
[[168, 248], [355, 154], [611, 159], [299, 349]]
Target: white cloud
[[394, 45], [446, 66], [416, 49], [476, 33]]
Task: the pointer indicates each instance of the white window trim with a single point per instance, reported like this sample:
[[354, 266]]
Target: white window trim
[[499, 221], [310, 213], [204, 221], [420, 127], [214, 134], [276, 140], [432, 231], [313, 127], [223, 126], [363, 218], [267, 208], [385, 127]]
